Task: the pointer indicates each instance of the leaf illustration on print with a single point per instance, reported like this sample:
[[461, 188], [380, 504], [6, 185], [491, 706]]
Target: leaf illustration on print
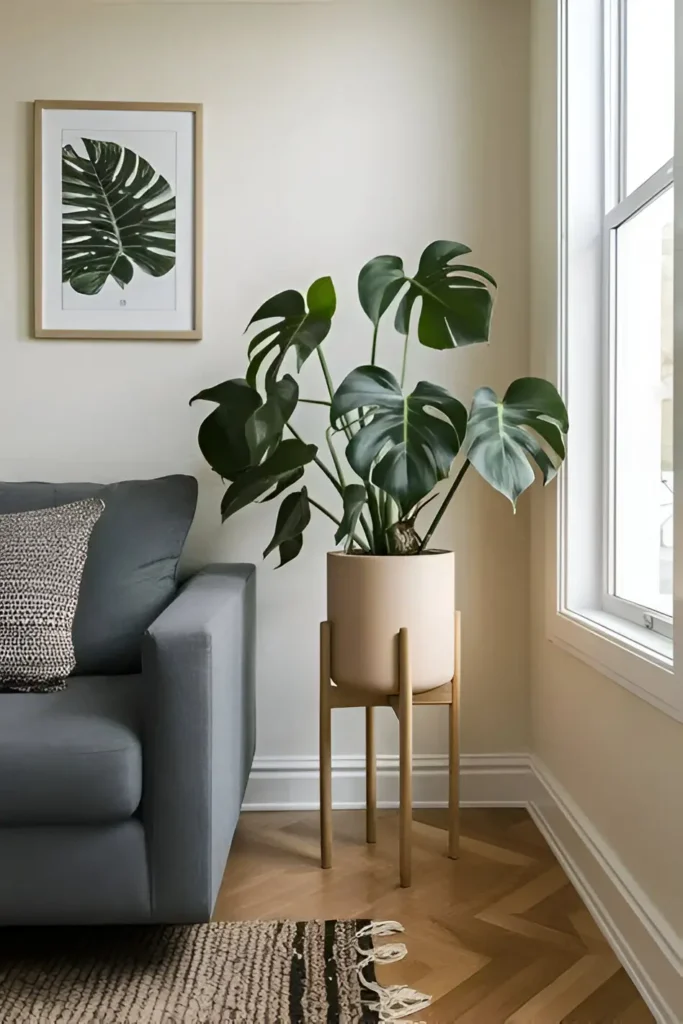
[[121, 212]]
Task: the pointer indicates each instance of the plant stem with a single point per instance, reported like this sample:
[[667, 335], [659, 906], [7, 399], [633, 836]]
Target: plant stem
[[326, 372], [339, 486], [325, 512], [315, 401], [379, 539], [319, 462], [390, 515], [405, 360], [367, 529], [348, 423], [335, 457], [321, 508], [439, 515], [330, 476], [375, 332], [330, 388], [391, 512]]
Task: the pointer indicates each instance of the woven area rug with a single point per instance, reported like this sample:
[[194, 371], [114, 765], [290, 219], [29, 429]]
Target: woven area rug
[[256, 972]]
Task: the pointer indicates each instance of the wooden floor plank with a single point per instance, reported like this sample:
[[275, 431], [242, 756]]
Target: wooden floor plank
[[612, 1001], [637, 1013], [567, 991], [497, 936]]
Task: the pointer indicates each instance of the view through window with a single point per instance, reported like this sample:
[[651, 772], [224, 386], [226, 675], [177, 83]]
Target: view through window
[[639, 296]]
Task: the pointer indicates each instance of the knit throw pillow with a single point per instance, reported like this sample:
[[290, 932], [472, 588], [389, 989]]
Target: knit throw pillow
[[42, 555]]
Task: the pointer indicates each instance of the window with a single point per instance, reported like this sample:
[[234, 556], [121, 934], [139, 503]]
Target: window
[[611, 586], [638, 303]]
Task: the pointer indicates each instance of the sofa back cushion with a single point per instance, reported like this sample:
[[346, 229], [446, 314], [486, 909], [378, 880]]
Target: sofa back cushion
[[131, 571]]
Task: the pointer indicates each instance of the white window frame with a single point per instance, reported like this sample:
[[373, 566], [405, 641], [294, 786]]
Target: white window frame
[[579, 619], [620, 206]]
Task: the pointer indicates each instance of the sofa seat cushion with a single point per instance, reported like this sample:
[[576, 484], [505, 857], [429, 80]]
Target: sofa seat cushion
[[72, 757]]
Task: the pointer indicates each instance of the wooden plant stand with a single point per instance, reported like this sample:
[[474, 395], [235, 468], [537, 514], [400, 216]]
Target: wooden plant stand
[[402, 701]]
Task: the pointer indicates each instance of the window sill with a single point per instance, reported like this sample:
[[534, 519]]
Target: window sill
[[635, 657]]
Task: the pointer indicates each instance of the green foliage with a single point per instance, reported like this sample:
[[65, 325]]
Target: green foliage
[[401, 445], [408, 442], [289, 457], [120, 213], [300, 329], [265, 426], [292, 519], [354, 498], [457, 301], [223, 434], [529, 421]]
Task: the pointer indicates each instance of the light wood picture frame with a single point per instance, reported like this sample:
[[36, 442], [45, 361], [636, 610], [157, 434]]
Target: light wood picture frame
[[118, 232]]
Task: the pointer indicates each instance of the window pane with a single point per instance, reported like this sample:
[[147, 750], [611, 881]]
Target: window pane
[[649, 88], [644, 478]]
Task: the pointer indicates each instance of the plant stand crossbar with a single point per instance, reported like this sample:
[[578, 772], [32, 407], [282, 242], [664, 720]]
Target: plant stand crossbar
[[402, 701]]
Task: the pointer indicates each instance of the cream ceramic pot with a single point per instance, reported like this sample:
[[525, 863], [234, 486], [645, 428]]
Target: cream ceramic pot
[[370, 598]]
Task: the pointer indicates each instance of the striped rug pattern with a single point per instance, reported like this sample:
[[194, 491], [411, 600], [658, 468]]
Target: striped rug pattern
[[257, 972]]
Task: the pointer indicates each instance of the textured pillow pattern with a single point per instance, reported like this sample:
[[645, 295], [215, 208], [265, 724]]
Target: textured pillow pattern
[[42, 556]]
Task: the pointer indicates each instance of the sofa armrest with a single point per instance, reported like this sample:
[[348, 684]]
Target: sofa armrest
[[199, 736]]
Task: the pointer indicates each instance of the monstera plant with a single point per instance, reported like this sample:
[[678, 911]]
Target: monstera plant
[[399, 447]]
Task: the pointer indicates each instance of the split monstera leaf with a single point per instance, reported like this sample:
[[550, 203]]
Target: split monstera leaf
[[408, 442], [120, 213], [400, 445]]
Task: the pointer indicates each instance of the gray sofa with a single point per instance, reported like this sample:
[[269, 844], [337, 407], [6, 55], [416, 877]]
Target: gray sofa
[[119, 795]]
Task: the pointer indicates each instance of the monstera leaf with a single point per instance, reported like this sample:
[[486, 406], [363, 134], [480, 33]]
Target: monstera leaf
[[457, 299], [244, 429], [529, 421], [288, 458], [406, 443], [265, 426], [302, 326], [292, 519], [379, 282], [354, 497], [223, 434], [121, 212]]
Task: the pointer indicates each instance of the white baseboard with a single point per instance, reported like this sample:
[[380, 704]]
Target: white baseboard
[[645, 943], [291, 783]]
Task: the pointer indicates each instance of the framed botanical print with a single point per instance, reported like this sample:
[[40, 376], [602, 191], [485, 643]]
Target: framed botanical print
[[118, 229]]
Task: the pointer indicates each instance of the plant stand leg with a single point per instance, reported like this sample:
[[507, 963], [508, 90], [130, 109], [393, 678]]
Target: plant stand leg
[[325, 749], [405, 719], [454, 753], [370, 777]]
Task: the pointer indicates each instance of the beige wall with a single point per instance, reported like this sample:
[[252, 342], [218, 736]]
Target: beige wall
[[334, 132], [619, 758]]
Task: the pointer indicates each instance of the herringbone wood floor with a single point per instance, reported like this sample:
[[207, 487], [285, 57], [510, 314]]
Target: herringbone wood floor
[[498, 937]]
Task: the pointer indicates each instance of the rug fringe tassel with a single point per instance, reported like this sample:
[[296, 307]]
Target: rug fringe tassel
[[380, 928], [394, 1002]]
